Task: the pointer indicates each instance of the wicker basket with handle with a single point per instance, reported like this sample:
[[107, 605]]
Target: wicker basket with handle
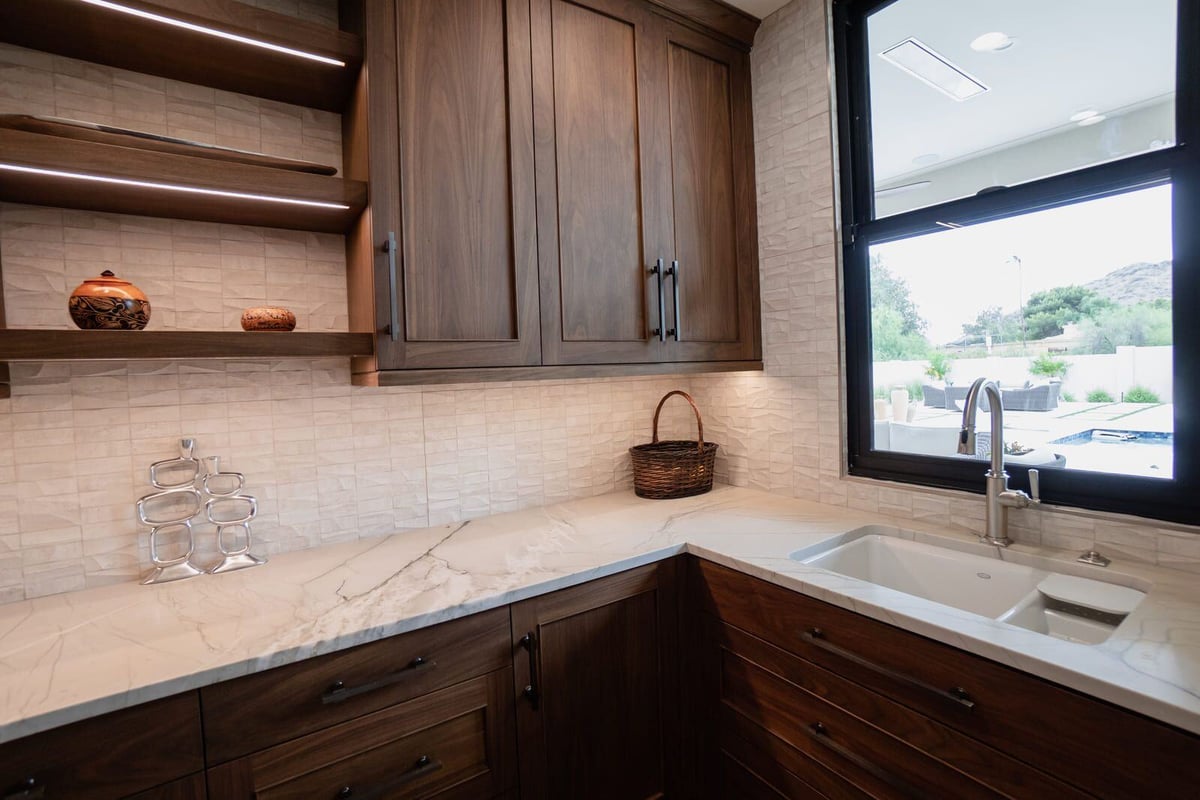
[[664, 470]]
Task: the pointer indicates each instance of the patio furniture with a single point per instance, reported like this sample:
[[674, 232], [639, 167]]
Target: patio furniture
[[935, 397], [955, 395], [1041, 397]]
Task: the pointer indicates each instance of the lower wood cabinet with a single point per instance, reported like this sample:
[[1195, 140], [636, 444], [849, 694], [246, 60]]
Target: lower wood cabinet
[[594, 668], [809, 697], [122, 754], [453, 743]]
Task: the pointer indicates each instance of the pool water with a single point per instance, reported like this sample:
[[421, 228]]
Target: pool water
[[1149, 454]]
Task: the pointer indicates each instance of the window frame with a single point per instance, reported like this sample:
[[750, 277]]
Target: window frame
[[1166, 499]]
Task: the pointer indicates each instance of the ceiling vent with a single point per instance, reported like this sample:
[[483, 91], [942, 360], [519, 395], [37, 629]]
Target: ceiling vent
[[927, 66]]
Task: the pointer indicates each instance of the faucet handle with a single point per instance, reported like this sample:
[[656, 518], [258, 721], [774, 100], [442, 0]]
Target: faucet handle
[[1035, 492]]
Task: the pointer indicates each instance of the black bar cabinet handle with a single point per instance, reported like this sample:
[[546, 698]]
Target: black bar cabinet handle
[[673, 271], [389, 247], [532, 690], [957, 695], [820, 734], [338, 692], [661, 330], [28, 789], [422, 767]]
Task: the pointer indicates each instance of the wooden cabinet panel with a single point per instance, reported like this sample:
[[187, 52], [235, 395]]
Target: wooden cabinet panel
[[601, 208], [190, 788], [110, 756], [592, 685], [1099, 748], [713, 197], [456, 742], [260, 710], [451, 164]]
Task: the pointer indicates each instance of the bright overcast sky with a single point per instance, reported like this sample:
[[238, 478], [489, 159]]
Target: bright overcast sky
[[956, 274]]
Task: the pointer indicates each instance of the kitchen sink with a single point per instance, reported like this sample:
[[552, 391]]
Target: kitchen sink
[[1041, 600]]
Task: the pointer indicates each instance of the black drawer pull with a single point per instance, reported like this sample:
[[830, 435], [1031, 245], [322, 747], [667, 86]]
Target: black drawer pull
[[28, 789], [338, 692], [957, 695], [820, 734], [422, 767], [532, 690]]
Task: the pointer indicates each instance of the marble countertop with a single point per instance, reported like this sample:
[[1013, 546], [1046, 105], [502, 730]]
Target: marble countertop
[[71, 656]]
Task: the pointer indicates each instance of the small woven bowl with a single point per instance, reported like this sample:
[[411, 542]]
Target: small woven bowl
[[268, 318]]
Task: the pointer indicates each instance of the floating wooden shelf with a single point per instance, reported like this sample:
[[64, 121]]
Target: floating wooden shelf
[[65, 345], [409, 377], [90, 32], [53, 153]]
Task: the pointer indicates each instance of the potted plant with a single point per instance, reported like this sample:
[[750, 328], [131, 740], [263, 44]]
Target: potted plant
[[939, 367]]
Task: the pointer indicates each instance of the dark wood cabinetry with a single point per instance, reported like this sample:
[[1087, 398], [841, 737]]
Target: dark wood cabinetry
[[847, 706], [594, 672], [531, 163]]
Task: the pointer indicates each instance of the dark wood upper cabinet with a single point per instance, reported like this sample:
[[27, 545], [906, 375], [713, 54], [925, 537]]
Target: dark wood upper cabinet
[[448, 102], [644, 152], [593, 666], [715, 252]]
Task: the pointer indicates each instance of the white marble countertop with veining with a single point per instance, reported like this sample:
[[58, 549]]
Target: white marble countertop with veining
[[67, 657]]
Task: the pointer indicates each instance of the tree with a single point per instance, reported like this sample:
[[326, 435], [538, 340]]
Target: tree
[[897, 329], [1138, 325], [1047, 312], [994, 322], [1049, 367]]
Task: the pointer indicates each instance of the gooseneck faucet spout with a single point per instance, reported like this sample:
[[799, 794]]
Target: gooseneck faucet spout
[[999, 497]]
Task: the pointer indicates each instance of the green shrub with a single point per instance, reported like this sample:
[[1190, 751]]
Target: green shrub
[[1067, 397], [1049, 367], [1140, 394], [940, 365], [1099, 396], [915, 392]]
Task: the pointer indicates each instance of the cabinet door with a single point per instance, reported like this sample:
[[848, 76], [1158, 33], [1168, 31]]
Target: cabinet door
[[591, 676], [603, 208], [452, 181], [713, 298]]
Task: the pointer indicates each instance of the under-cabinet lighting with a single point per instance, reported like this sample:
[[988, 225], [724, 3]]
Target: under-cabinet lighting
[[174, 187], [233, 37]]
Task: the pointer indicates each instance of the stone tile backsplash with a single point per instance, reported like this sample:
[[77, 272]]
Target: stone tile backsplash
[[331, 462]]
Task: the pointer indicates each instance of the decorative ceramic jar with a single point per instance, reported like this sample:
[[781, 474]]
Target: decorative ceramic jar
[[268, 318], [109, 303]]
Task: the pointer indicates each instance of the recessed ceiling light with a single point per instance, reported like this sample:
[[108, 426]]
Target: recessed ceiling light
[[925, 159], [1092, 120], [927, 66], [992, 42], [1087, 113]]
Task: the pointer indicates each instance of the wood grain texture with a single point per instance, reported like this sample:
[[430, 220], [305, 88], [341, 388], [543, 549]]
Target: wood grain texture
[[713, 16], [991, 767], [44, 152], [780, 765], [192, 787], [269, 707], [597, 668], [602, 213], [112, 755], [712, 183], [1099, 748], [451, 159], [128, 42], [453, 743], [64, 345], [738, 781], [5, 375], [599, 207], [458, 276], [444, 376]]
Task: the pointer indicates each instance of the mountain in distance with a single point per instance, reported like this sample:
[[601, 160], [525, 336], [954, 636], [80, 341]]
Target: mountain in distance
[[1137, 283]]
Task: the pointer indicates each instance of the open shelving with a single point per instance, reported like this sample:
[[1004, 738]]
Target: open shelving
[[33, 344]]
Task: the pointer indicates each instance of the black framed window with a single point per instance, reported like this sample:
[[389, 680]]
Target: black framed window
[[1020, 189]]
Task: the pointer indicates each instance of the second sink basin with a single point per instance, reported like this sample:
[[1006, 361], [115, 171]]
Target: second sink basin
[[1063, 606]]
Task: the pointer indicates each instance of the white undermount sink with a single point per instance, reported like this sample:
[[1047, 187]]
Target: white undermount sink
[[1063, 606]]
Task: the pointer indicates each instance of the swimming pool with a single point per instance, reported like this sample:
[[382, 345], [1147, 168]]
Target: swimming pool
[[1149, 454]]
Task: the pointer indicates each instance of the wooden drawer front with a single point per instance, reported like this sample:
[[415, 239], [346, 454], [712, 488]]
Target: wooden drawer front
[[459, 737], [739, 782], [189, 788], [1097, 747], [984, 764], [257, 711], [840, 741], [110, 756]]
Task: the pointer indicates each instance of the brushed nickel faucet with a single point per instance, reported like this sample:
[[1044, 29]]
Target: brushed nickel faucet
[[999, 497]]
